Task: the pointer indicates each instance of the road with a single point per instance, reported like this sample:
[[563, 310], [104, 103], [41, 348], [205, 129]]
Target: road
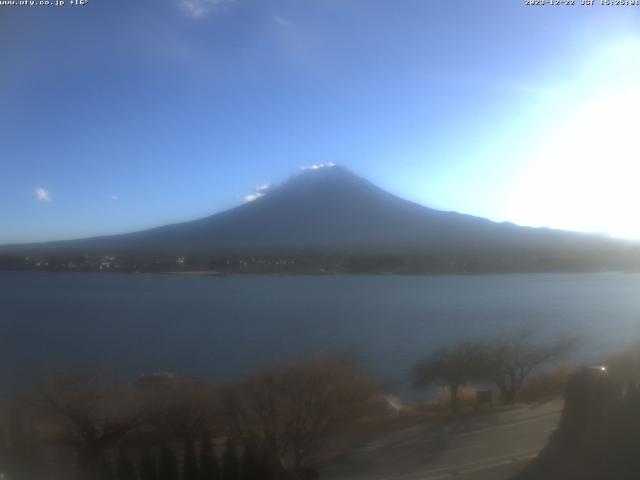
[[484, 446]]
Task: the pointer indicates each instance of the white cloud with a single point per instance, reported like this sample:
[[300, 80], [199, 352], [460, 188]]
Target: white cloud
[[280, 20], [42, 195], [261, 191], [115, 197], [318, 166], [200, 8]]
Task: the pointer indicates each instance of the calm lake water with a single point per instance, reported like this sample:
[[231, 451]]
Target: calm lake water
[[226, 327]]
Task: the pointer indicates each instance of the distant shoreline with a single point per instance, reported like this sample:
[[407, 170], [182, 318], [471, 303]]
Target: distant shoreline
[[194, 273], [218, 274]]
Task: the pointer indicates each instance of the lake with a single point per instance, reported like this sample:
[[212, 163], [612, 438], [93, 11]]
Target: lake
[[226, 327]]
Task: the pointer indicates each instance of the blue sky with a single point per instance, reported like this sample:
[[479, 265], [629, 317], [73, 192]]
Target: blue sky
[[121, 115]]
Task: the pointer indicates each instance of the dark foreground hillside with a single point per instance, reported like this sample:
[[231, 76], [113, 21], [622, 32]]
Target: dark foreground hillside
[[599, 434]]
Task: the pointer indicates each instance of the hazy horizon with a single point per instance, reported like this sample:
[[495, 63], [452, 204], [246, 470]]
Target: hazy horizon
[[260, 192]]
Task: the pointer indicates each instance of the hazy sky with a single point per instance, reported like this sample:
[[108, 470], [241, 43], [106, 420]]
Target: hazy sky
[[123, 114]]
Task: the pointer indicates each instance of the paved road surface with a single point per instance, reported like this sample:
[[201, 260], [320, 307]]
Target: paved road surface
[[485, 446]]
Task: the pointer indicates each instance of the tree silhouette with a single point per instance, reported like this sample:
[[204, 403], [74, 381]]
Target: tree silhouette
[[230, 464], [93, 414], [452, 368], [287, 410], [148, 467], [126, 470], [167, 465], [105, 470], [251, 465], [510, 360], [209, 469], [189, 462]]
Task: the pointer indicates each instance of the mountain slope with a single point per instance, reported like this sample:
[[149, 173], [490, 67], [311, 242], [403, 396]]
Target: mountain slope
[[334, 210]]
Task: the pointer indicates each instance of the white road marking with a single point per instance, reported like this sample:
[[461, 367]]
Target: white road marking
[[506, 425], [466, 447], [453, 470], [494, 465]]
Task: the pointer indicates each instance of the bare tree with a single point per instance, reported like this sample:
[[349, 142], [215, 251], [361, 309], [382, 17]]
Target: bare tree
[[451, 367], [20, 445], [90, 414], [510, 360], [184, 407], [286, 411]]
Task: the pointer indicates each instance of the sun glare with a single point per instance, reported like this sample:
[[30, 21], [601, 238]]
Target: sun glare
[[587, 170]]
